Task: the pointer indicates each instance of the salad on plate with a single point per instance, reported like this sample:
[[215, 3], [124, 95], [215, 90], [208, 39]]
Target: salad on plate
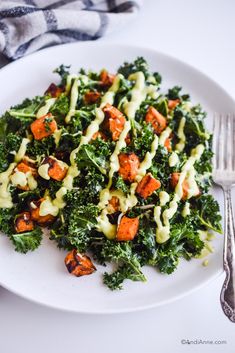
[[113, 168]]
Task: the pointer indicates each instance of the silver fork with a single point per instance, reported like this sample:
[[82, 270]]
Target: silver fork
[[224, 176]]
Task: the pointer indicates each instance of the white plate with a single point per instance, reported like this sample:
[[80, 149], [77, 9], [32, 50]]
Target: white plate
[[41, 275]]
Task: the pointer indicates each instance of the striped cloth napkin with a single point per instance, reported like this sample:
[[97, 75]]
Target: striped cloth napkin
[[29, 25]]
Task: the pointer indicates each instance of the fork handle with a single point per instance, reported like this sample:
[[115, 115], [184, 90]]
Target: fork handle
[[227, 296]]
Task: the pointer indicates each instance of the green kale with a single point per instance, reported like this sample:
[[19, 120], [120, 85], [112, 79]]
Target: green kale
[[139, 64], [143, 141], [37, 149], [63, 71], [184, 241], [28, 241], [119, 184], [10, 145], [174, 93], [7, 216], [209, 213], [88, 155], [115, 280], [81, 222], [122, 254], [60, 108]]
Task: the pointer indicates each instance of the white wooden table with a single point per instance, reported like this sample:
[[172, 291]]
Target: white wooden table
[[201, 33]]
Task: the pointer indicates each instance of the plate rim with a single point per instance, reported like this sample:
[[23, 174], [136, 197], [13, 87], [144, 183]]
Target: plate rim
[[197, 71]]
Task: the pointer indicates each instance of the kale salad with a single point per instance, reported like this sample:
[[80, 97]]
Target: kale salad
[[117, 170]]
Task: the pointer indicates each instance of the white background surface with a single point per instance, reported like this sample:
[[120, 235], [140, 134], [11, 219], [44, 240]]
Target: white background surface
[[201, 33]]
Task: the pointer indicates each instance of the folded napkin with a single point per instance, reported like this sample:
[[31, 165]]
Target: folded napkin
[[29, 25]]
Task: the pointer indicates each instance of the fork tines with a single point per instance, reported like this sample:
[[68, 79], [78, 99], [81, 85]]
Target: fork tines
[[224, 142]]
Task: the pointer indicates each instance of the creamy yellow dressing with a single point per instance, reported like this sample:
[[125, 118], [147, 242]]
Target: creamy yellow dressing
[[147, 162], [47, 207], [73, 101], [22, 150], [5, 177], [186, 210], [108, 97], [18, 178], [104, 226], [5, 196], [163, 231], [45, 108], [121, 143], [57, 136], [69, 82], [164, 136], [43, 171], [181, 144], [173, 159], [164, 198], [138, 95]]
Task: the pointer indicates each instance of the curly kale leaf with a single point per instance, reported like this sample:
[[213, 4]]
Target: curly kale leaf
[[184, 241], [11, 144], [28, 241], [63, 71], [115, 280], [60, 108], [139, 64], [41, 148], [81, 222], [94, 155], [209, 213], [122, 254], [7, 216]]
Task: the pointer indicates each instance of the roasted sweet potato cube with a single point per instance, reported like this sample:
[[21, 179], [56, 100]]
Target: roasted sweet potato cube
[[54, 90], [34, 211], [147, 186], [167, 144], [106, 78], [157, 120], [26, 167], [173, 103], [57, 169], [128, 166], [99, 134], [114, 121], [127, 228], [23, 222], [79, 264], [91, 97], [43, 127], [114, 204]]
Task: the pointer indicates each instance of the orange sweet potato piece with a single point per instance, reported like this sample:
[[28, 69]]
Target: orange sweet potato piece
[[128, 166], [23, 222], [167, 144], [106, 78], [157, 120], [127, 228], [147, 186], [34, 211], [114, 121], [78, 264], [54, 90], [43, 127], [91, 97], [56, 170], [99, 134], [173, 103], [114, 204]]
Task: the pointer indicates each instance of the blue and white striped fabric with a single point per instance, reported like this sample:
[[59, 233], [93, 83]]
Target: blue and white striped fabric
[[29, 25]]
